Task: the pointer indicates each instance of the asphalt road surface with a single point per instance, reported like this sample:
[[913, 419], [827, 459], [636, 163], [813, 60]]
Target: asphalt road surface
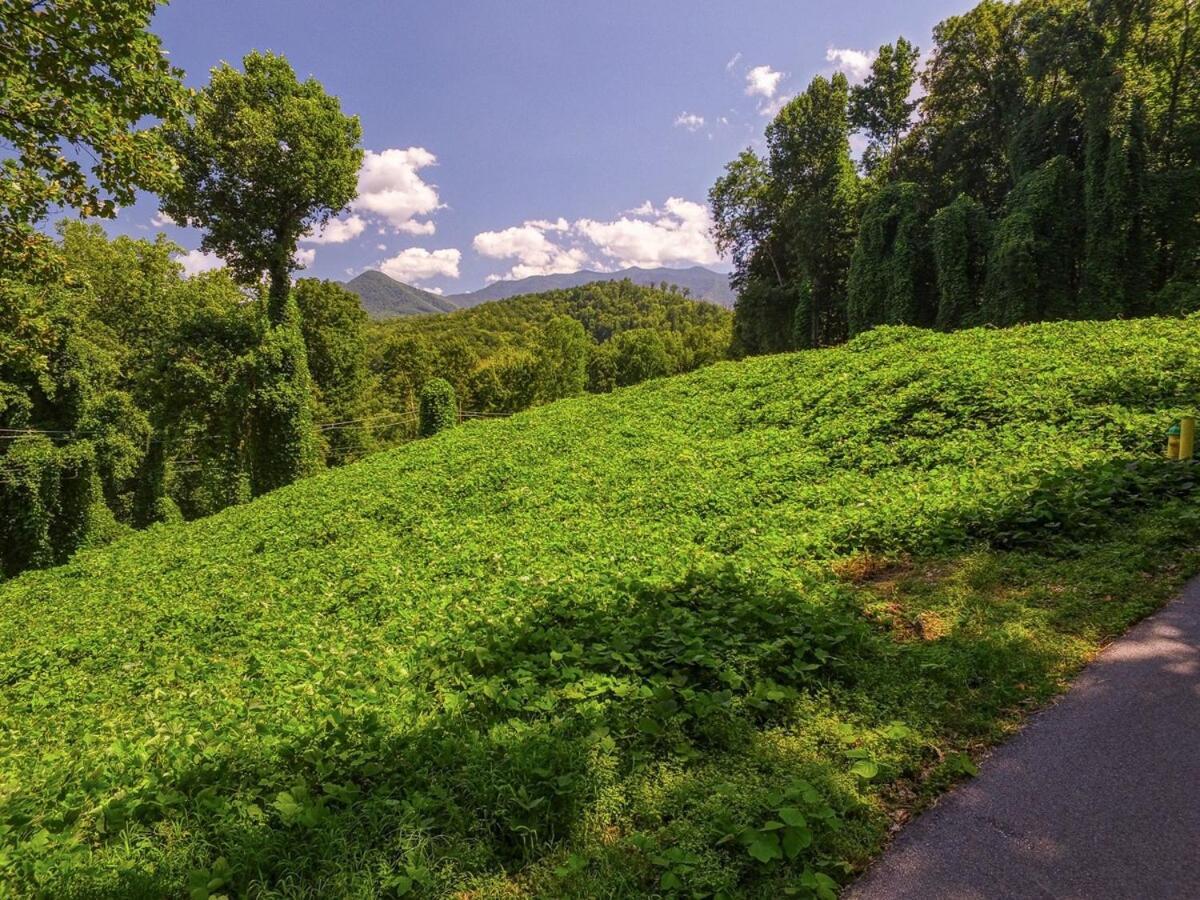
[[1098, 797]]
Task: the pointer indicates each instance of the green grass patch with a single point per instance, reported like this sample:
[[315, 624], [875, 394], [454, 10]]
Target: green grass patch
[[715, 635]]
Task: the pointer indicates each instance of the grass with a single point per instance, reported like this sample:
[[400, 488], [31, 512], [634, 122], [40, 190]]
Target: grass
[[717, 635]]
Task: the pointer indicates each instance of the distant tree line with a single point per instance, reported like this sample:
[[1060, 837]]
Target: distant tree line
[[509, 355], [1043, 164]]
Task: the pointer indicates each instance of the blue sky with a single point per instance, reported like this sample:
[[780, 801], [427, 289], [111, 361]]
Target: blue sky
[[514, 137]]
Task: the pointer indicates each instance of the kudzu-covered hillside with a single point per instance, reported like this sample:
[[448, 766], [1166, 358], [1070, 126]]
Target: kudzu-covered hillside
[[713, 635]]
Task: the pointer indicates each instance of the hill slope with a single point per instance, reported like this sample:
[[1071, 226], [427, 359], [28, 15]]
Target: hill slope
[[703, 284], [384, 297], [711, 634]]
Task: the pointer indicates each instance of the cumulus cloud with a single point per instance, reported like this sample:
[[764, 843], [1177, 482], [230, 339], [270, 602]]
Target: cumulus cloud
[[675, 234], [391, 188], [416, 264], [304, 257], [678, 233], [855, 64], [762, 81], [532, 248], [159, 219], [196, 261], [690, 121], [336, 231]]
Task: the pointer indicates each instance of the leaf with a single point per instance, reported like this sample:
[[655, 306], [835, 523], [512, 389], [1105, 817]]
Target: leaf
[[289, 809], [795, 840], [865, 769], [765, 848], [792, 816]]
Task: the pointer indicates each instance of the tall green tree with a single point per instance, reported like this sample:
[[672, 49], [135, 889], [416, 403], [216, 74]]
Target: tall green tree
[[891, 272], [809, 152], [882, 107], [334, 326], [77, 77], [265, 159]]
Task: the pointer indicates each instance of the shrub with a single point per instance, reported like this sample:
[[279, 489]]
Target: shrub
[[439, 410]]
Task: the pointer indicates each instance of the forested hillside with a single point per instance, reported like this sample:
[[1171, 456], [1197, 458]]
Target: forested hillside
[[1043, 164], [714, 635], [129, 394], [508, 355]]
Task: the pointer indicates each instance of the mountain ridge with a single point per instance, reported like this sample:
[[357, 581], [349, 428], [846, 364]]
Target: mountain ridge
[[384, 297]]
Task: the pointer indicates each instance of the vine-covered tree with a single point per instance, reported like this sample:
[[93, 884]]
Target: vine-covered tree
[[1049, 169], [265, 159]]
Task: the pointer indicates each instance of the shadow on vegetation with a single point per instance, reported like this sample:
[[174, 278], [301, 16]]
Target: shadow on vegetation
[[530, 733]]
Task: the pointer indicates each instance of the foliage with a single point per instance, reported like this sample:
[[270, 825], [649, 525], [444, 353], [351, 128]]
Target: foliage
[[882, 106], [1062, 121], [334, 326], [439, 409], [1033, 264], [506, 356], [266, 158], [809, 145], [282, 443], [891, 272], [701, 637], [76, 79], [960, 238]]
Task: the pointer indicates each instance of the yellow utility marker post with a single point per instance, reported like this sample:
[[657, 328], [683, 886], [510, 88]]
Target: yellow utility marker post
[[1187, 437], [1173, 442]]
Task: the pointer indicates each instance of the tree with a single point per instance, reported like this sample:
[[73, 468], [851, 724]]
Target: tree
[[640, 355], [973, 103], [809, 144], [745, 212], [78, 77], [961, 232], [439, 408], [562, 359], [891, 273], [882, 106], [265, 159], [334, 325]]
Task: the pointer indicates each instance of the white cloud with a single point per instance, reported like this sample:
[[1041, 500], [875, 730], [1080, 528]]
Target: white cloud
[[676, 234], [647, 237], [762, 81], [159, 219], [336, 231], [733, 61], [196, 261], [535, 252], [855, 64], [390, 188], [771, 108], [416, 264], [690, 121], [381, 247], [304, 258], [436, 290], [417, 228]]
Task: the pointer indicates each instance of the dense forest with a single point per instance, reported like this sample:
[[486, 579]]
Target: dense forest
[[1043, 163]]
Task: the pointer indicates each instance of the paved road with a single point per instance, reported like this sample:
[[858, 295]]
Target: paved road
[[1098, 798]]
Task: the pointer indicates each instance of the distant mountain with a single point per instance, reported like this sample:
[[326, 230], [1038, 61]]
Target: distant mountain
[[386, 298], [701, 283]]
